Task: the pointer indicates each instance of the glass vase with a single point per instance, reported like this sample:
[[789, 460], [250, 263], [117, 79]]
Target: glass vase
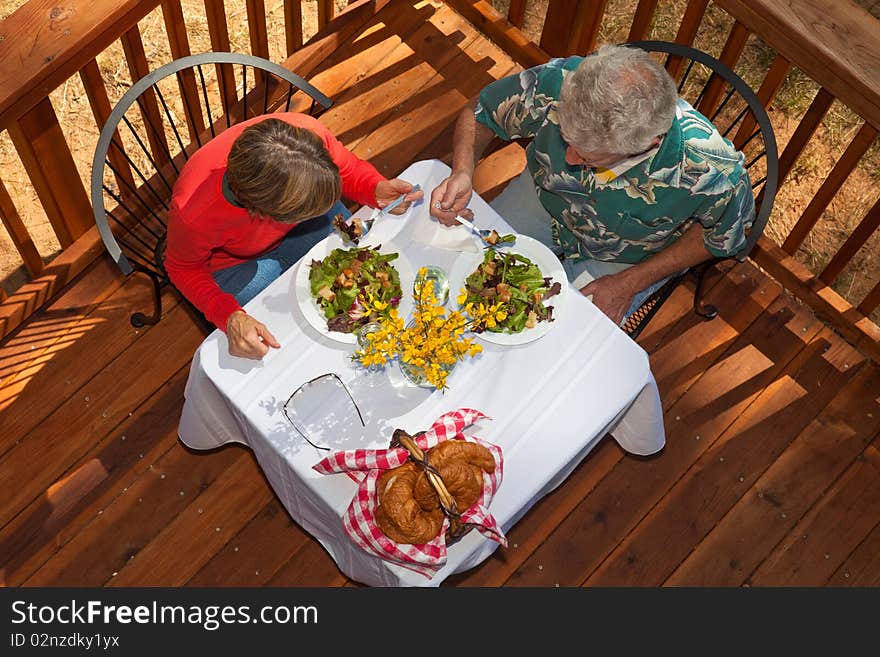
[[374, 374], [416, 375]]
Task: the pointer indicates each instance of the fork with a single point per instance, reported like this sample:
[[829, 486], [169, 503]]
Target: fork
[[482, 233], [368, 223]]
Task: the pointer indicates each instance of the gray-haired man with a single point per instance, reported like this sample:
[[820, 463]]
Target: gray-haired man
[[628, 179]]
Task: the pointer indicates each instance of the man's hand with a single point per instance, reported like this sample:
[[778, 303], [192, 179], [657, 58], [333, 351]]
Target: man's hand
[[451, 197], [247, 337], [612, 295], [388, 191]]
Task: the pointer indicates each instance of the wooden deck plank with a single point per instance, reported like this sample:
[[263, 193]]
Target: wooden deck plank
[[71, 355], [391, 45], [601, 520], [256, 553], [48, 325], [862, 567], [725, 471], [309, 566], [680, 305], [433, 109], [96, 408], [694, 344], [132, 519], [203, 527], [527, 535], [113, 464], [771, 508], [363, 51], [413, 68], [833, 529]]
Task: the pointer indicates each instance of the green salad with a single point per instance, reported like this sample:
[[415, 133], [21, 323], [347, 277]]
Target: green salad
[[344, 279], [515, 282]]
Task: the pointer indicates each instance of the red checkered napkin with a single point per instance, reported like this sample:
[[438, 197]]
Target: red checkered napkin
[[366, 465]]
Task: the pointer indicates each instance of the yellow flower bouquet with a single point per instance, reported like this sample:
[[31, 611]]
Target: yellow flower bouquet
[[433, 341]]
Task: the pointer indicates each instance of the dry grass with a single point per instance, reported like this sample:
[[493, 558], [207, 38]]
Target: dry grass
[[838, 128]]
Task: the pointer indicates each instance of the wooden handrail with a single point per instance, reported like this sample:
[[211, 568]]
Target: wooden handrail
[[63, 36], [836, 44]]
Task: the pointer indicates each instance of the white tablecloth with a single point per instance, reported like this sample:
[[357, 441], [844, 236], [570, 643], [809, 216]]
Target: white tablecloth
[[551, 401]]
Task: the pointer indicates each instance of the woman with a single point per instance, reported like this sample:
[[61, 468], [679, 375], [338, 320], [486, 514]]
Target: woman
[[252, 202]]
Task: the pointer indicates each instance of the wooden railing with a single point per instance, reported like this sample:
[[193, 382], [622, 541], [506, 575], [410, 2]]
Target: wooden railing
[[835, 44]]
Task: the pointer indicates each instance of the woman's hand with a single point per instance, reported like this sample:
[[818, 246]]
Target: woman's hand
[[451, 197], [247, 337], [389, 190]]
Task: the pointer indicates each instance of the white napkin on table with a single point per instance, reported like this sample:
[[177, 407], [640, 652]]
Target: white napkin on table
[[453, 238]]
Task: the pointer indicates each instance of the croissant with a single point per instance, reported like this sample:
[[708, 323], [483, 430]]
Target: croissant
[[409, 507], [461, 465], [398, 515]]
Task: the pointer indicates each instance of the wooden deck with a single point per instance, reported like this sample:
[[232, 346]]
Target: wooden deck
[[771, 474]]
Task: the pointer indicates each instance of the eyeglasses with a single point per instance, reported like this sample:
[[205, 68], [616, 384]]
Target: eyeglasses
[[301, 393]]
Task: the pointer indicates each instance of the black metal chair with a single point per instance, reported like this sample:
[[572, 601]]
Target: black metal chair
[[721, 95], [134, 169]]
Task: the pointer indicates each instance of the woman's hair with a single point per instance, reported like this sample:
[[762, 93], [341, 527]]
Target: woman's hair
[[283, 172], [617, 101]]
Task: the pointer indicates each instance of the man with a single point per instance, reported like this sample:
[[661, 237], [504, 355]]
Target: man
[[252, 202], [629, 181]]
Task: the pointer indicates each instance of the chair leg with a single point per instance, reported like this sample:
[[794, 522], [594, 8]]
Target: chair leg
[[140, 319], [706, 311]]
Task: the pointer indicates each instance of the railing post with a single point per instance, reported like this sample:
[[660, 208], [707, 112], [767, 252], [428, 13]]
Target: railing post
[[571, 26], [325, 12], [847, 162], [293, 29], [687, 31], [46, 157], [178, 41], [731, 52], [100, 103], [219, 33], [133, 46], [641, 24], [19, 234]]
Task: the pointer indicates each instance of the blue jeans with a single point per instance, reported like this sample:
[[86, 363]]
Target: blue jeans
[[247, 280], [519, 205]]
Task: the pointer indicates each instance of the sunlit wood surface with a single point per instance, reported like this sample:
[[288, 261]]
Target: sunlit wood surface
[[771, 473]]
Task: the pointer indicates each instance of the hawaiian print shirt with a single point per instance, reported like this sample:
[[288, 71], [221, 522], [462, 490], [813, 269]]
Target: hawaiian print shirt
[[626, 213]]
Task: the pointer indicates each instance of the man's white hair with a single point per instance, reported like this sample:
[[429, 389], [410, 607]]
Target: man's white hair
[[617, 101]]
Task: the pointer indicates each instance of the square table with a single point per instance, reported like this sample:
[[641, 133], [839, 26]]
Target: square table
[[551, 401]]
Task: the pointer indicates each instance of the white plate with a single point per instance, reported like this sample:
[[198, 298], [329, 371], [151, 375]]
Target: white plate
[[549, 265], [310, 308]]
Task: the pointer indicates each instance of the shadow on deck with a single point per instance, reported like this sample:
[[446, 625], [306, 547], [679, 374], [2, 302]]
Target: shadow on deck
[[769, 476]]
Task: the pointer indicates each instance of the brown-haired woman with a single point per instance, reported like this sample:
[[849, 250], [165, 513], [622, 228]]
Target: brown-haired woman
[[252, 202]]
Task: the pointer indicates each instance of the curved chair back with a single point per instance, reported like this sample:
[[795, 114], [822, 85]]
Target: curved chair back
[[721, 95], [714, 89], [154, 129]]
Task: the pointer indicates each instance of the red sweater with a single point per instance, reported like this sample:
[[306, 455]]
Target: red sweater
[[207, 233]]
